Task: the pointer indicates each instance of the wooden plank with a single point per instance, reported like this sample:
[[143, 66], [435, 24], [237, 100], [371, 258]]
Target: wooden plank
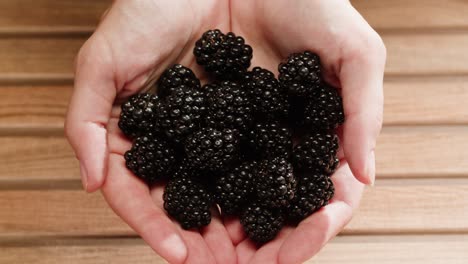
[[401, 152], [39, 14], [38, 55], [407, 102], [408, 54], [426, 53], [421, 249], [413, 13], [422, 152], [33, 106], [426, 101], [392, 208], [434, 249], [37, 158]]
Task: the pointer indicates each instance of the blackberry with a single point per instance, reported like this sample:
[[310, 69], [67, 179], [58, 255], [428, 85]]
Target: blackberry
[[275, 182], [181, 113], [174, 77], [228, 106], [325, 108], [269, 98], [226, 56], [313, 191], [261, 223], [188, 202], [151, 158], [233, 190], [301, 73], [138, 115], [212, 149], [269, 140], [317, 152]]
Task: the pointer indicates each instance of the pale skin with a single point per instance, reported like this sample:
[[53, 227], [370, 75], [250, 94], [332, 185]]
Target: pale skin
[[138, 39]]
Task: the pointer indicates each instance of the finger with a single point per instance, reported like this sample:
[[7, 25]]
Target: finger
[[234, 229], [89, 112], [130, 199], [268, 253], [361, 77], [245, 251], [198, 250], [218, 240], [315, 231]]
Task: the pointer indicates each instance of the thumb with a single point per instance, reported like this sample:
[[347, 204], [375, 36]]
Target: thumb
[[89, 112], [361, 77]]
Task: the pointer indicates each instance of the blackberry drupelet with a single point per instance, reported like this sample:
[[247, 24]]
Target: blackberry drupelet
[[261, 223], [174, 77], [138, 115], [269, 98], [228, 106], [151, 158], [182, 112], [275, 182], [270, 140], [316, 152], [226, 56], [313, 191], [188, 202], [324, 109], [212, 149], [234, 189], [301, 73]]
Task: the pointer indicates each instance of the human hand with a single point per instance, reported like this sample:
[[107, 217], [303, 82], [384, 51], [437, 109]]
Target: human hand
[[353, 59], [135, 41]]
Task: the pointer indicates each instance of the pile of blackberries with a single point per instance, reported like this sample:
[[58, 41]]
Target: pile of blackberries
[[230, 142]]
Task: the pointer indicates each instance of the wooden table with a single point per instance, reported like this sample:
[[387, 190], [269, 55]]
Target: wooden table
[[416, 213]]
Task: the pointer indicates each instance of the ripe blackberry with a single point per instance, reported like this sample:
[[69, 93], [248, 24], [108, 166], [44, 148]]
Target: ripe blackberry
[[212, 149], [301, 73], [261, 223], [269, 98], [324, 109], [174, 77], [269, 140], [275, 182], [227, 56], [233, 190], [313, 191], [151, 158], [181, 113], [317, 152], [138, 115], [228, 106], [188, 202]]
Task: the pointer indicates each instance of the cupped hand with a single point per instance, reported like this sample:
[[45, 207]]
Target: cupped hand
[[137, 40], [353, 59]]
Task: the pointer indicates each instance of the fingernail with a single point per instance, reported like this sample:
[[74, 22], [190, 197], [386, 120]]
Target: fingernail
[[84, 176], [371, 168], [175, 245]]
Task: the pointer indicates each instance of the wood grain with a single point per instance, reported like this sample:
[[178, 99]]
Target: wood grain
[[426, 101], [418, 101], [46, 14], [422, 152], [409, 207], [408, 54], [411, 14], [426, 53], [37, 158], [33, 106], [422, 249], [401, 152]]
